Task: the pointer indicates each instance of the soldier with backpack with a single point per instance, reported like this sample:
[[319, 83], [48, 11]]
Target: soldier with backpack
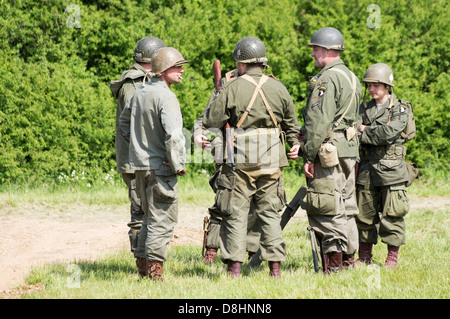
[[385, 124]]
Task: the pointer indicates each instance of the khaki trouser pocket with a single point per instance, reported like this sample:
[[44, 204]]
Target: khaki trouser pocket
[[224, 193], [165, 189], [321, 197], [397, 203], [213, 179]]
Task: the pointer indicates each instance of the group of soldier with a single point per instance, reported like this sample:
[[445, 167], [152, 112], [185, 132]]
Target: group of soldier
[[353, 155]]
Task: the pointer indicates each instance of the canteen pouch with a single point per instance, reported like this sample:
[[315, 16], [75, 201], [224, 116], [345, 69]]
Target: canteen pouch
[[328, 155]]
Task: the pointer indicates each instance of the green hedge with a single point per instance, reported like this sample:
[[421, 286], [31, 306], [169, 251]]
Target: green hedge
[[57, 112]]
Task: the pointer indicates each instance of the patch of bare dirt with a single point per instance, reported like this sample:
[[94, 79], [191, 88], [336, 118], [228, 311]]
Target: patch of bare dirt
[[35, 235]]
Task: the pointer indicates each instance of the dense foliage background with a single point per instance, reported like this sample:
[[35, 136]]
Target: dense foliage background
[[57, 58]]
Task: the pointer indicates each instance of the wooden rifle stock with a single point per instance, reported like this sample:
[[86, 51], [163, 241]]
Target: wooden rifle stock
[[217, 73]]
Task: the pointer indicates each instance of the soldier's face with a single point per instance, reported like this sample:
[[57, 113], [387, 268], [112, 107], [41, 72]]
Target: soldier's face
[[377, 91], [173, 75], [320, 55]]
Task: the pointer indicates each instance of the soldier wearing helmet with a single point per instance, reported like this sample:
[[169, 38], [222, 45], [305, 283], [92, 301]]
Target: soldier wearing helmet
[[158, 156], [123, 90], [330, 150], [382, 175], [261, 114]]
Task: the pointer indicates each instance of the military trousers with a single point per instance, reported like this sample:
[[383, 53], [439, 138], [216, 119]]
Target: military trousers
[[136, 212], [236, 192], [159, 200], [213, 236], [215, 218], [332, 206], [381, 212]]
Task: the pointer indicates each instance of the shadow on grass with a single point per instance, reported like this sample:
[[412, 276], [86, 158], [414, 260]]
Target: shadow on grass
[[106, 269]]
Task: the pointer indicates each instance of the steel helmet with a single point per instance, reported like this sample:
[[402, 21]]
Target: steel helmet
[[146, 47], [250, 50], [165, 58], [379, 73], [328, 38]]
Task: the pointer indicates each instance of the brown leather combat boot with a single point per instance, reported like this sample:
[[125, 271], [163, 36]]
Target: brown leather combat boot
[[155, 270], [142, 265], [348, 261], [234, 269], [392, 257], [365, 253], [210, 255], [274, 267], [334, 262]]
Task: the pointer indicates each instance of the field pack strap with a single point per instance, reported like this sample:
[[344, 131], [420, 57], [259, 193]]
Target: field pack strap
[[258, 86]]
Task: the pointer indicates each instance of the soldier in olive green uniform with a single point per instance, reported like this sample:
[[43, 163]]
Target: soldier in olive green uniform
[[330, 150], [123, 90], [158, 156], [382, 176], [212, 227], [261, 114]]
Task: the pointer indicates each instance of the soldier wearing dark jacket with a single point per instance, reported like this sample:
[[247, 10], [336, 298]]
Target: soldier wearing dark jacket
[[382, 175]]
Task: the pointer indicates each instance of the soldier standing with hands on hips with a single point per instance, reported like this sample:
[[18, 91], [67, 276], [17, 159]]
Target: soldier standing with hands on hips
[[158, 156], [330, 150]]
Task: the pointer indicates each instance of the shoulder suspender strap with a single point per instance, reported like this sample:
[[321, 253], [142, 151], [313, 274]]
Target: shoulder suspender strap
[[353, 85], [258, 89]]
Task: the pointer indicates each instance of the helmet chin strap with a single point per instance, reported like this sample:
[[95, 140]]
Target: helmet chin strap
[[391, 102]]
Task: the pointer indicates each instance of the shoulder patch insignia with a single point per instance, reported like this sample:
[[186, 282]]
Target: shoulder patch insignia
[[402, 109], [322, 90]]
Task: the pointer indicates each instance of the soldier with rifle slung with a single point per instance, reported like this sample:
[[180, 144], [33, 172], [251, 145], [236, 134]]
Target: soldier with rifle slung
[[261, 115], [208, 140]]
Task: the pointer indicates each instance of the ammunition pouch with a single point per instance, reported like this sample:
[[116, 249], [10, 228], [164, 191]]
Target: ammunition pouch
[[381, 152]]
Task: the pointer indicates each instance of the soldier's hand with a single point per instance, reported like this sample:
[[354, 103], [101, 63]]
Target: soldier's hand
[[182, 172], [293, 152], [202, 141], [361, 128], [308, 169]]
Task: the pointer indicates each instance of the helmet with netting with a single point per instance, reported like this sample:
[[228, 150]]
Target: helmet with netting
[[146, 47], [250, 50]]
